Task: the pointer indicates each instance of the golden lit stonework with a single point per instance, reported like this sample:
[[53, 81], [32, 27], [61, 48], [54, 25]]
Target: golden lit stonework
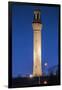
[[37, 26]]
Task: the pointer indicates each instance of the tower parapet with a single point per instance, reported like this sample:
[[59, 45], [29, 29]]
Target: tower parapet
[[37, 24]]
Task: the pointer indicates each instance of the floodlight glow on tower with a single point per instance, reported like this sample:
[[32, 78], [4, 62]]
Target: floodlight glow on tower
[[37, 26]]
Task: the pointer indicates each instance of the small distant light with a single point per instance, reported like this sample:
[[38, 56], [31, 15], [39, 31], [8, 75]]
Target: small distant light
[[45, 82], [31, 76], [46, 64], [54, 73]]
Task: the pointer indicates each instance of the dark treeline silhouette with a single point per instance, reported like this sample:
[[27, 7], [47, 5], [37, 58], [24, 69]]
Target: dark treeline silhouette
[[51, 79]]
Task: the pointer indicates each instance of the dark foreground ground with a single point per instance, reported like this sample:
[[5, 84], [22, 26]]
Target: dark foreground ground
[[35, 81]]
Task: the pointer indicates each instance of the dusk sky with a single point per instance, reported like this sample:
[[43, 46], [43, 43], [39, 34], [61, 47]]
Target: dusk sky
[[22, 38]]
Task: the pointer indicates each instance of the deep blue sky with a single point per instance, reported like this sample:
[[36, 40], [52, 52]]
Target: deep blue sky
[[22, 38]]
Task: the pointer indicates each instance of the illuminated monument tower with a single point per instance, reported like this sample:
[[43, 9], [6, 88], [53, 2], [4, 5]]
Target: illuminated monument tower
[[37, 26]]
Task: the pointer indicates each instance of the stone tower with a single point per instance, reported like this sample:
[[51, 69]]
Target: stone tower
[[37, 26]]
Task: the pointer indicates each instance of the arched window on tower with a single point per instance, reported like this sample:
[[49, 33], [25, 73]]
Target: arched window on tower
[[38, 16], [35, 16]]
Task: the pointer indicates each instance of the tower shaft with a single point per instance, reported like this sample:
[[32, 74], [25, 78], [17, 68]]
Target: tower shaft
[[37, 53], [37, 26]]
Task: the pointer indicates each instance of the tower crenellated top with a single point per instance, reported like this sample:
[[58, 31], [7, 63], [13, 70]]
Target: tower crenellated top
[[37, 18], [37, 24]]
